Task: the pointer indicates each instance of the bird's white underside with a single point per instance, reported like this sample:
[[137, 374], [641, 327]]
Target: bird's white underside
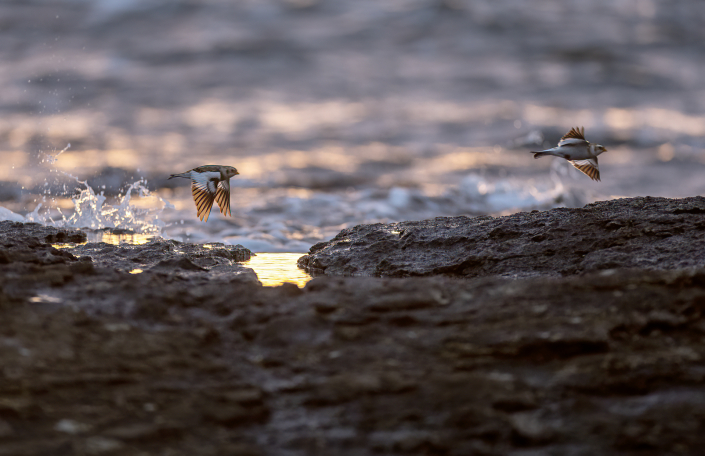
[[578, 151], [209, 188], [205, 181]]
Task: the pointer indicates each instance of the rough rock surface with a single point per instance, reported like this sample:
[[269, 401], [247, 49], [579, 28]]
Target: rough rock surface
[[58, 245], [207, 260], [652, 233], [94, 360]]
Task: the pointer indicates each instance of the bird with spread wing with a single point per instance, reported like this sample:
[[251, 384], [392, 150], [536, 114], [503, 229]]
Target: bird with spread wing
[[578, 151], [210, 183]]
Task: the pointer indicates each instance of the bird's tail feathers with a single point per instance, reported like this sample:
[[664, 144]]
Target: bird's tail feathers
[[186, 175]]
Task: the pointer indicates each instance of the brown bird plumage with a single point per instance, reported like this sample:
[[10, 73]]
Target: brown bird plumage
[[210, 183]]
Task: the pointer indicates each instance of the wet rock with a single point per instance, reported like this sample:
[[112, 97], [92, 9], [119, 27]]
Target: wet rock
[[529, 427], [101, 445], [17, 407], [242, 396], [651, 233], [99, 361], [181, 263], [346, 387], [162, 254], [24, 232], [230, 414], [69, 426], [141, 432], [292, 331], [5, 429], [31, 243]]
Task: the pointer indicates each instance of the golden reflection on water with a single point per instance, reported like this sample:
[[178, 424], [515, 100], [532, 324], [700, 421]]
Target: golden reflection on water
[[108, 238], [274, 269], [117, 239], [68, 245]]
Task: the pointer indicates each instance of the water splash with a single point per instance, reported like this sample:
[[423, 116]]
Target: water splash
[[91, 210], [51, 159]]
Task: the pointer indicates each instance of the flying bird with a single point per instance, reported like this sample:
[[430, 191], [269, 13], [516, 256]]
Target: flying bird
[[210, 183], [580, 153]]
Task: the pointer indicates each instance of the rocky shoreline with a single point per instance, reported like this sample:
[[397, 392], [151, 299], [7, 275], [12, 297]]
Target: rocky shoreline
[[645, 232], [595, 348]]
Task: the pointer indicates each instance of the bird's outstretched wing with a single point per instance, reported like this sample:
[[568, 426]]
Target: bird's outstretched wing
[[222, 197], [203, 189], [589, 167], [575, 137]]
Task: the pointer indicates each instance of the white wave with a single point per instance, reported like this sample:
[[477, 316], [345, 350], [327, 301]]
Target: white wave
[[275, 219], [276, 222], [7, 214]]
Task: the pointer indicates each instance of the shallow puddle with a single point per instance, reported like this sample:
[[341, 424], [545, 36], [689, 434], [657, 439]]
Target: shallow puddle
[[274, 269], [108, 238], [117, 239]]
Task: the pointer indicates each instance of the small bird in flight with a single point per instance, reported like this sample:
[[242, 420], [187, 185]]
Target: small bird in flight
[[210, 183], [580, 153]]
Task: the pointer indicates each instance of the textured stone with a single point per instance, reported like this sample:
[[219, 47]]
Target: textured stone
[[99, 361], [651, 233]]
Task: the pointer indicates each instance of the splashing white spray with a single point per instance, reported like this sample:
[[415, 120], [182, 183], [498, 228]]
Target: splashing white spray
[[91, 210]]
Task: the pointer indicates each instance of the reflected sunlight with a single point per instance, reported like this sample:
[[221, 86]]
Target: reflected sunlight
[[108, 238], [274, 269], [117, 239], [68, 245]]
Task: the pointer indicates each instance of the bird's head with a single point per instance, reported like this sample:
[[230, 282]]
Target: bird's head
[[599, 149], [230, 171]]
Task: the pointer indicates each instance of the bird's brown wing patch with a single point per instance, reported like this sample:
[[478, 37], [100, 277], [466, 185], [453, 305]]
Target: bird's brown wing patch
[[588, 167], [222, 197], [208, 169], [575, 132], [203, 199], [574, 138]]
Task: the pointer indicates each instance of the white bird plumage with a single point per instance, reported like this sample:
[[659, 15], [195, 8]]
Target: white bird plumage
[[210, 183], [578, 151]]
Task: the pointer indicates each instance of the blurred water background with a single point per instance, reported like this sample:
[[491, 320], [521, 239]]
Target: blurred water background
[[340, 112]]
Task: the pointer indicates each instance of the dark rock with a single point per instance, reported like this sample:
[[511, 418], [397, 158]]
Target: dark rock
[[236, 414], [606, 362], [349, 386], [31, 243], [65, 236], [142, 432], [24, 232], [180, 263], [304, 330], [651, 233], [161, 254]]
